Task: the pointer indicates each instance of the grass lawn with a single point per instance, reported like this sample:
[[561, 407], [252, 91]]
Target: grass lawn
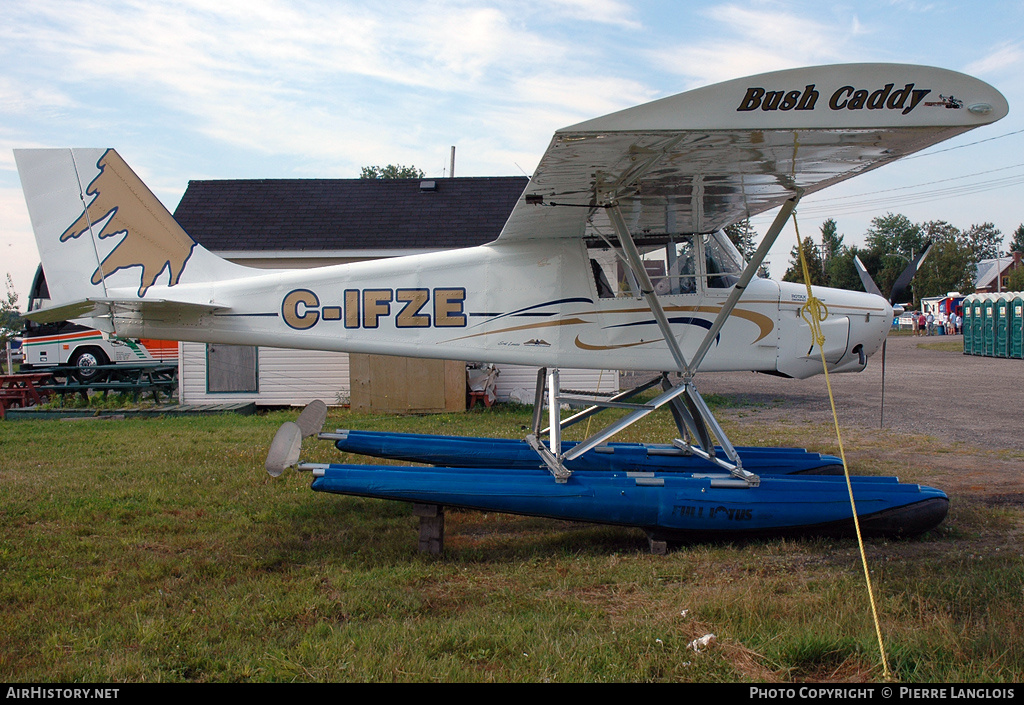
[[159, 550]]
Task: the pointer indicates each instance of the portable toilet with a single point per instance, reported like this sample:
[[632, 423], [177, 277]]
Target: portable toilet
[[1017, 325], [967, 325], [979, 325], [1001, 325], [974, 307], [988, 327]]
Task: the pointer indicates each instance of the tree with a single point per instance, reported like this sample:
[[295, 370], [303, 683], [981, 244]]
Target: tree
[[841, 273], [831, 240], [1017, 242], [1015, 282], [391, 171], [893, 242], [837, 259], [795, 273], [949, 266], [743, 235], [894, 234], [11, 322], [984, 240]]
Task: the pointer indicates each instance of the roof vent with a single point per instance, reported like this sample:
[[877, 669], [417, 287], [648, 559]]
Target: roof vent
[[428, 185]]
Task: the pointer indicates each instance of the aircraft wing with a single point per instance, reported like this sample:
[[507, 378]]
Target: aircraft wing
[[700, 160]]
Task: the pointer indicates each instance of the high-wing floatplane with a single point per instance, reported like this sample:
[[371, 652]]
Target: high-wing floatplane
[[613, 258]]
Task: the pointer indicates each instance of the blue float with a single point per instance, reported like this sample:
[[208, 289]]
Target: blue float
[[658, 488], [475, 452], [667, 505]]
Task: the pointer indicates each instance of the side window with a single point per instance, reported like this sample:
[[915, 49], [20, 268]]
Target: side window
[[676, 266], [612, 277], [670, 263]]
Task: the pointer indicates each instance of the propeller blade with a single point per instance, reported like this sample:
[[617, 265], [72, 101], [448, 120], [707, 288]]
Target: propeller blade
[[285, 448], [904, 279], [897, 291], [865, 278], [312, 418]]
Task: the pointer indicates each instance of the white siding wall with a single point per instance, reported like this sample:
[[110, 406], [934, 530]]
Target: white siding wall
[[286, 377], [297, 377]]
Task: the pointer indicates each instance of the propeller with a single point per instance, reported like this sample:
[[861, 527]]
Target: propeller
[[287, 443], [898, 287]]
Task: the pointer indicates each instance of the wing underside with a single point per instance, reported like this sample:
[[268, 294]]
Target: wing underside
[[698, 161]]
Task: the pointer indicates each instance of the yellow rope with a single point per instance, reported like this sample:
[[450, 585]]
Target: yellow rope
[[814, 312]]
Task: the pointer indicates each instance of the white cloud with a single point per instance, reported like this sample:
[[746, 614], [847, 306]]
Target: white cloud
[[757, 39], [600, 11], [1003, 57], [321, 80]]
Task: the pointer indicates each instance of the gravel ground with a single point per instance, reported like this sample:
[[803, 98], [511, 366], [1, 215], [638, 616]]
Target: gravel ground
[[972, 406], [962, 398]]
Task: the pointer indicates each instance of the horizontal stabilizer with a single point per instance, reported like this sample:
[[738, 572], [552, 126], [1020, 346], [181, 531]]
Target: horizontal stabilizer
[[155, 309]]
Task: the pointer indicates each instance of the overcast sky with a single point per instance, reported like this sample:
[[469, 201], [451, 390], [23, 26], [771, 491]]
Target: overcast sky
[[282, 88]]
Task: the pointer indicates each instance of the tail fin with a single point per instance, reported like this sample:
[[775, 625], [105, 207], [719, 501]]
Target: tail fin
[[99, 228]]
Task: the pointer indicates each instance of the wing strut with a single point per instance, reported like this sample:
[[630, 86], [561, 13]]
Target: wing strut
[[748, 273], [697, 426]]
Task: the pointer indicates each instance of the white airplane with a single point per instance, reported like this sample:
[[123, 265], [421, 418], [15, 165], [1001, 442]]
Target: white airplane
[[613, 257]]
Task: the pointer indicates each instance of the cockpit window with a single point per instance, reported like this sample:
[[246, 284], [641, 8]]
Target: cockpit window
[[672, 267], [672, 262]]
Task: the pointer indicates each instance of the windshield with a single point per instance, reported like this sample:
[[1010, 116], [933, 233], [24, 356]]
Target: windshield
[[724, 262]]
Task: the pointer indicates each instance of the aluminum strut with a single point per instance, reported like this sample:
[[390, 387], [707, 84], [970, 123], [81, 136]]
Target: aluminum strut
[[636, 266], [692, 414], [697, 426], [552, 455], [748, 273]]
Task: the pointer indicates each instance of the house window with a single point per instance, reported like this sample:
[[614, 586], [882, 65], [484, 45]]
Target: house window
[[231, 368]]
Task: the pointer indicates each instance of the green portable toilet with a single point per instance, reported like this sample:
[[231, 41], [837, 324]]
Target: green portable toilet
[[1001, 325], [978, 334], [967, 325], [1017, 325], [988, 325], [971, 325]]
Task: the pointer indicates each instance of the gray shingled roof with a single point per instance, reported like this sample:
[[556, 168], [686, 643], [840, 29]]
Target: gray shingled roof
[[346, 214]]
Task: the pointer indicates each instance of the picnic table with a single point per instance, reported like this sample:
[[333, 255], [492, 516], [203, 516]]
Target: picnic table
[[23, 389], [134, 379]]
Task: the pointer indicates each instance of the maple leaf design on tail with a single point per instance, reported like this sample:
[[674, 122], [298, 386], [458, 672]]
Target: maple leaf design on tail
[[152, 240]]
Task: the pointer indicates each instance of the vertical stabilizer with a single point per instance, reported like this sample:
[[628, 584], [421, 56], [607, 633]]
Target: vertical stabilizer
[[99, 228]]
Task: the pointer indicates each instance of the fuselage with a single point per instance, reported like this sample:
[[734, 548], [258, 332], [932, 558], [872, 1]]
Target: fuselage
[[529, 302]]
